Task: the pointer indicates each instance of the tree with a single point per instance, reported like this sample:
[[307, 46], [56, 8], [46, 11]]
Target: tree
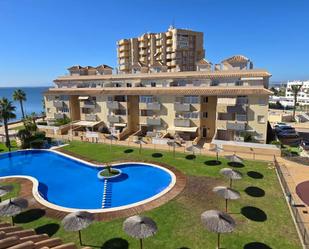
[[20, 95], [295, 90], [7, 112]]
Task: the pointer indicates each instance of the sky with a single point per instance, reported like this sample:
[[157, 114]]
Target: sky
[[39, 39]]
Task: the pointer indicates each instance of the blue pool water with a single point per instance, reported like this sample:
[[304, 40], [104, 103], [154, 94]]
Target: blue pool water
[[73, 184]]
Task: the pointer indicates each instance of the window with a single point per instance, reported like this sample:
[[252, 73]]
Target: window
[[48, 110], [186, 115], [153, 84], [191, 99], [205, 114], [261, 119], [146, 99], [129, 84]]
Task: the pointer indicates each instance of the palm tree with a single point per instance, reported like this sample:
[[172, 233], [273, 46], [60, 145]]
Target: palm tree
[[295, 90], [6, 113], [20, 95]]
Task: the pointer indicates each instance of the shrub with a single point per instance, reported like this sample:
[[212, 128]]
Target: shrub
[[62, 121], [37, 143]]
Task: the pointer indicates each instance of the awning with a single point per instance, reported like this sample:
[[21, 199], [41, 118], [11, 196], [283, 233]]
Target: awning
[[183, 129], [86, 123], [83, 97], [120, 124]]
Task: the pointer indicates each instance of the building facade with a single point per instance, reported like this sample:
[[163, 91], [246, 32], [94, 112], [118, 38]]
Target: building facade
[[302, 96], [225, 101], [171, 51]]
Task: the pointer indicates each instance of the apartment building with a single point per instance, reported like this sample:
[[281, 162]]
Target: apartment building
[[302, 96], [224, 101], [170, 51]]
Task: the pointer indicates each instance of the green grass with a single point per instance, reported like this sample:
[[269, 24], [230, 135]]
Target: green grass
[[3, 148], [268, 220]]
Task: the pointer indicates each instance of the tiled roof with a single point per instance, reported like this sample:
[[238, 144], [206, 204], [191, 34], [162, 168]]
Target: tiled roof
[[204, 62], [208, 91], [103, 66], [236, 58], [75, 67], [170, 75]]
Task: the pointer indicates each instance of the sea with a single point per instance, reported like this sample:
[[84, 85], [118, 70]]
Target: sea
[[34, 102]]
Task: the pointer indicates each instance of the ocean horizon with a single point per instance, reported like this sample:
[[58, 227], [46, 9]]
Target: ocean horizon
[[34, 102]]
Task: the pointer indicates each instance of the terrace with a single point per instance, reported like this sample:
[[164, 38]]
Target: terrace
[[260, 221]]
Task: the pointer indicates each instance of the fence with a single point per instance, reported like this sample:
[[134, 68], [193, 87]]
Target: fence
[[294, 207]]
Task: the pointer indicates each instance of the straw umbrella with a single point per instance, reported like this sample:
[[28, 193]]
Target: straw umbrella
[[234, 159], [194, 148], [140, 227], [218, 222], [218, 150], [140, 142], [77, 221], [5, 189], [231, 174], [226, 193], [12, 207], [111, 137], [174, 144]]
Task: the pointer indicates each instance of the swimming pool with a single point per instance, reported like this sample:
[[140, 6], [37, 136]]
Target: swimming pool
[[66, 183]]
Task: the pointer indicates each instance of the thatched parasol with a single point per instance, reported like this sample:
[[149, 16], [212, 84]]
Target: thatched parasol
[[234, 158], [140, 227], [231, 174], [227, 194], [77, 221], [218, 222], [5, 189], [218, 150], [12, 207], [174, 144], [140, 142]]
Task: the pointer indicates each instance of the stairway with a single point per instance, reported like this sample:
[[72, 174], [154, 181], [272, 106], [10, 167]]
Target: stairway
[[15, 237]]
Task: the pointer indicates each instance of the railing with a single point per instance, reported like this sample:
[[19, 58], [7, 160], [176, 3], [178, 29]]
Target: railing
[[155, 106], [182, 107], [113, 119], [153, 121], [112, 104], [179, 122], [301, 225], [58, 103], [90, 117]]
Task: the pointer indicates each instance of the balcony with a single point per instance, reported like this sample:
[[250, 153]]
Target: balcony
[[143, 52], [169, 34], [124, 54], [158, 43], [113, 119], [239, 109], [236, 126], [122, 42], [169, 42], [180, 122], [169, 49], [123, 48], [153, 121], [142, 45], [58, 103], [124, 67], [88, 104], [182, 107], [113, 105], [90, 117], [241, 118], [155, 106], [59, 115]]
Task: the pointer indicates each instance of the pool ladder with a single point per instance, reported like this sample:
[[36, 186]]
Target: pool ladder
[[107, 194]]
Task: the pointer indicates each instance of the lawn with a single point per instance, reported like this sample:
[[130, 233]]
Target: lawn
[[3, 148], [262, 216]]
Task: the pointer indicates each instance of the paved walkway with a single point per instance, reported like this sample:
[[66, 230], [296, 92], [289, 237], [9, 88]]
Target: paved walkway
[[295, 173]]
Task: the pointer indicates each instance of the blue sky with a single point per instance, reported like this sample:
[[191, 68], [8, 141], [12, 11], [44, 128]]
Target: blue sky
[[41, 38]]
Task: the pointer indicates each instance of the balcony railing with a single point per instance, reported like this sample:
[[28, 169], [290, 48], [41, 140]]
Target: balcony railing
[[153, 121], [112, 105], [59, 115], [88, 104], [155, 106], [58, 103], [113, 119], [236, 126], [182, 107], [90, 117], [179, 122]]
